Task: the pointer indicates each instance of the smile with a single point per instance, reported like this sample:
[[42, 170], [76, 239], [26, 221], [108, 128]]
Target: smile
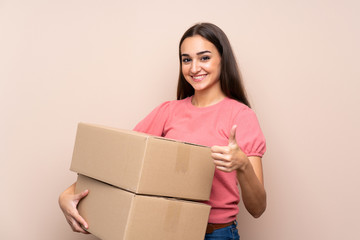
[[198, 77]]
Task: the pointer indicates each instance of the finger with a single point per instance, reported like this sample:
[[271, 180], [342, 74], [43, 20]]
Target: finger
[[232, 136], [76, 227], [221, 157], [224, 164], [80, 220], [81, 195], [85, 231], [220, 149], [224, 169], [219, 163]]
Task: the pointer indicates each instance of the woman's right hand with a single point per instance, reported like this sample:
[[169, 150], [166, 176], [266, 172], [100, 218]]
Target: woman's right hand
[[68, 202]]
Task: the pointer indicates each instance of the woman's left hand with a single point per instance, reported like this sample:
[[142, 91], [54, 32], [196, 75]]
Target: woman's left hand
[[231, 157]]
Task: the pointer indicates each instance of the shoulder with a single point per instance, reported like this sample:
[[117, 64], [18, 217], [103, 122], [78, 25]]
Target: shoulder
[[249, 134], [239, 109], [169, 105], [168, 108], [155, 121], [235, 103], [242, 116]]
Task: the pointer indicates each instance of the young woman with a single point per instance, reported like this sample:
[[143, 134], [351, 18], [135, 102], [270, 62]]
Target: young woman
[[212, 110]]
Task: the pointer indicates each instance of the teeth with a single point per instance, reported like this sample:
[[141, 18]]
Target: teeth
[[198, 77]]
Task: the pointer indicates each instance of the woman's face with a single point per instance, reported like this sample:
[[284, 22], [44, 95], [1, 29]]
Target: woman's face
[[201, 63]]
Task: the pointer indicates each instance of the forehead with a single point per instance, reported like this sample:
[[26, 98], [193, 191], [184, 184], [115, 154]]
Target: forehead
[[195, 44]]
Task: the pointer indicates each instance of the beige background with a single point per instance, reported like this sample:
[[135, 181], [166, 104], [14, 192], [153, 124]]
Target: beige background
[[111, 62]]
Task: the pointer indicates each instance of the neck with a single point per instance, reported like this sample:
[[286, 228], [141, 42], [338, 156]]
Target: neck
[[205, 99]]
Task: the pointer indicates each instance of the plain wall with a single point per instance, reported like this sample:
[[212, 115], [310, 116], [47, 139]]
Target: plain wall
[[111, 62]]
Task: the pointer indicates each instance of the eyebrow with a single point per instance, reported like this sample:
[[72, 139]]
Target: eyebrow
[[199, 53]]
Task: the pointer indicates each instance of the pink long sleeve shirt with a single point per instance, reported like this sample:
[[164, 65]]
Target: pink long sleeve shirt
[[209, 126]]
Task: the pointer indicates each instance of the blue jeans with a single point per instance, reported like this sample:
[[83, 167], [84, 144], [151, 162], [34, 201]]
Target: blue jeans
[[226, 233]]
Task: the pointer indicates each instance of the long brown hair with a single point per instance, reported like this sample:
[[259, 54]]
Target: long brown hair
[[230, 78]]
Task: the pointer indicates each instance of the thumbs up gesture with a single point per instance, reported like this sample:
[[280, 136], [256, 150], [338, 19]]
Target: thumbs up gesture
[[231, 157]]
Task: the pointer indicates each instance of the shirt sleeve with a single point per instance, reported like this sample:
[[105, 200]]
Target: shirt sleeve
[[249, 136], [154, 123]]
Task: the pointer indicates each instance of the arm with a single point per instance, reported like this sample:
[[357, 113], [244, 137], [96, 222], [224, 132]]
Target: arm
[[68, 202], [252, 186], [249, 173]]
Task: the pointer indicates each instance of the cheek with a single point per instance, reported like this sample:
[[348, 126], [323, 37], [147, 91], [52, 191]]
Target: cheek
[[184, 70], [218, 69], [211, 67]]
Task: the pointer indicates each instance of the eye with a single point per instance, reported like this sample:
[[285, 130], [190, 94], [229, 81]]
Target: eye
[[186, 60], [205, 58]]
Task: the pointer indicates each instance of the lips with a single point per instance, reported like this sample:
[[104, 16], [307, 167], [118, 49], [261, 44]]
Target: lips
[[198, 78]]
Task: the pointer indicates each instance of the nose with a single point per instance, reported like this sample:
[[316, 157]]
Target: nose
[[195, 67]]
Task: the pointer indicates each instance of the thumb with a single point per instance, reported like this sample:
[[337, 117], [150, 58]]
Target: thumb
[[232, 136], [81, 195]]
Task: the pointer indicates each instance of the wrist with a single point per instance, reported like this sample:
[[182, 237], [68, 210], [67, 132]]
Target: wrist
[[244, 166]]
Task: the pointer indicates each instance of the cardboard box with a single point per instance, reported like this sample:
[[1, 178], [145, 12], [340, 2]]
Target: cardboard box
[[115, 214], [142, 163]]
